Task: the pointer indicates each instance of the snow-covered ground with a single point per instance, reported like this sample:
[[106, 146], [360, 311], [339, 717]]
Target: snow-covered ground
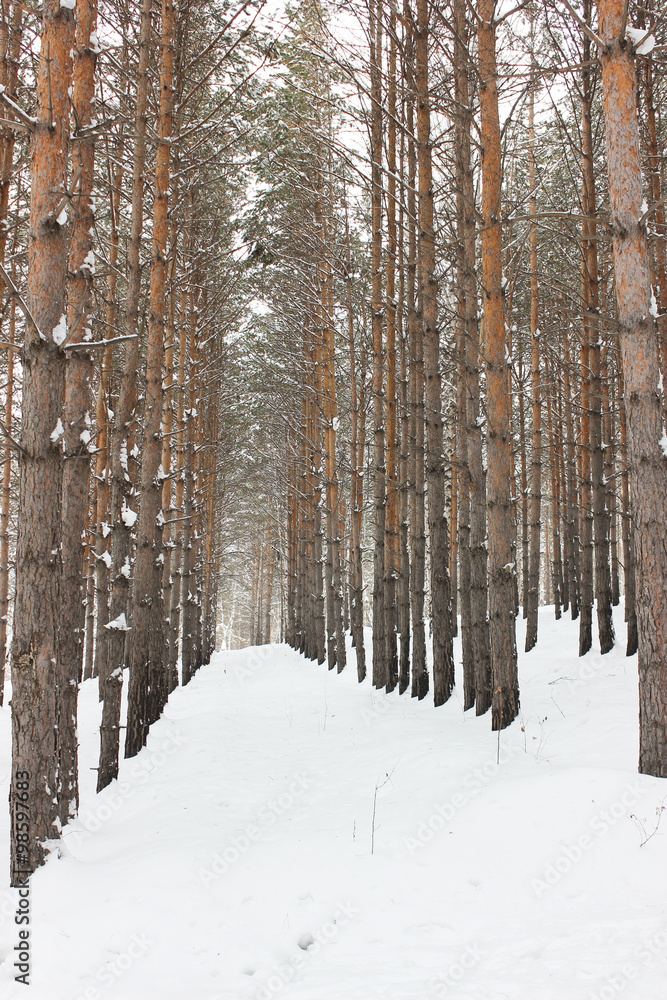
[[237, 855]]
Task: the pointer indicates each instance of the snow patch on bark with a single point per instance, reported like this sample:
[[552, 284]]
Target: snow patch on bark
[[57, 431], [118, 624], [128, 516], [637, 35], [60, 331]]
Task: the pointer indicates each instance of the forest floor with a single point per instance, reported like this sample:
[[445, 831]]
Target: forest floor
[[290, 833]]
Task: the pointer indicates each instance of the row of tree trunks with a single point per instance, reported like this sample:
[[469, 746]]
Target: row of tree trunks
[[123, 514]]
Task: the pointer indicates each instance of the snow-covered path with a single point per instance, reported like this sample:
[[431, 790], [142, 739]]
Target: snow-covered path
[[235, 858]]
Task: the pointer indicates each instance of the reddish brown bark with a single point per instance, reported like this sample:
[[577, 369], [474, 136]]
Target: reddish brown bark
[[641, 371], [36, 703]]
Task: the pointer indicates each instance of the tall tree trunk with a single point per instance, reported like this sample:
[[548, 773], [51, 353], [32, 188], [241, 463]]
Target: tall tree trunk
[[505, 684], [102, 518], [609, 451], [36, 685], [403, 466], [391, 538], [536, 457], [420, 677], [335, 613], [173, 396], [177, 553], [589, 328], [463, 475], [479, 624], [317, 590], [147, 688], [104, 493], [357, 441], [600, 516], [188, 589], [556, 563], [76, 410], [377, 310], [89, 570], [525, 550], [441, 627], [572, 528], [167, 505], [123, 515], [627, 533], [641, 371], [655, 187], [599, 537], [269, 566], [291, 625]]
